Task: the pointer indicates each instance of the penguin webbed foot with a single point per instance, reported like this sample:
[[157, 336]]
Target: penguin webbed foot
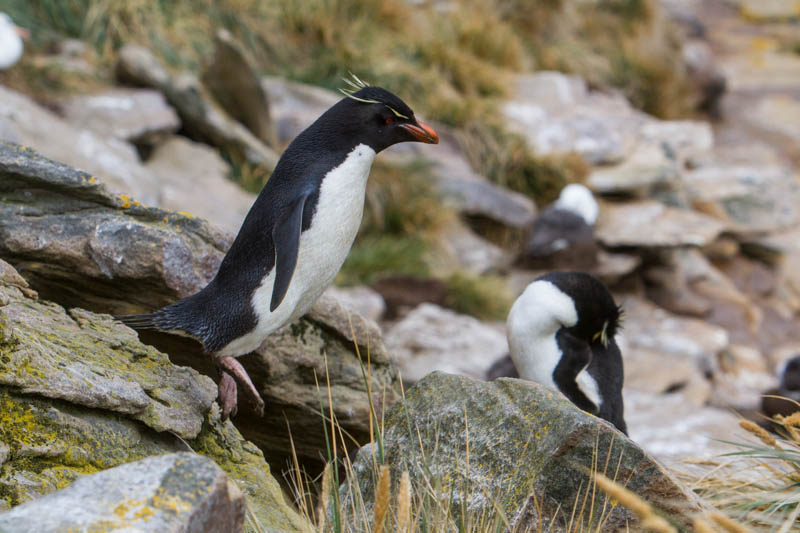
[[231, 372]]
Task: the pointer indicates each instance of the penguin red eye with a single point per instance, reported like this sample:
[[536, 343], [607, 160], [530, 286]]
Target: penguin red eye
[[388, 120]]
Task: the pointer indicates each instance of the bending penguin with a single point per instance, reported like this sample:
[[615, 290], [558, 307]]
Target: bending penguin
[[294, 239], [561, 334]]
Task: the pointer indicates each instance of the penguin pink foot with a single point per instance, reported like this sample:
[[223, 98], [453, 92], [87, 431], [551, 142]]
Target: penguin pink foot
[[232, 371]]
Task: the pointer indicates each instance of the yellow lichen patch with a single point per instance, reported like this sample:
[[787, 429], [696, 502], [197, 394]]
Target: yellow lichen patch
[[136, 203], [92, 179], [186, 214], [126, 201], [170, 502]]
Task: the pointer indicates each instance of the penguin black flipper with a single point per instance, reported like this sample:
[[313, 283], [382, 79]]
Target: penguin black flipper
[[286, 237], [577, 356]]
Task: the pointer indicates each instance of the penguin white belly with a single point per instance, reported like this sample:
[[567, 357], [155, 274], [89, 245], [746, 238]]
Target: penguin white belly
[[322, 250]]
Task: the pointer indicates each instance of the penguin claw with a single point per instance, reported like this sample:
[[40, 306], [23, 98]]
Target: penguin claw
[[235, 371], [226, 391]]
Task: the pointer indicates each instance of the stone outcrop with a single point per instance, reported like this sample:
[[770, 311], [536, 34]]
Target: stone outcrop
[[80, 394], [516, 448], [201, 116], [178, 492]]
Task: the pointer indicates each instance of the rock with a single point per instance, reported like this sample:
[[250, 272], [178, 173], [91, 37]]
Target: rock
[[769, 10], [706, 73], [648, 168], [404, 293], [461, 248], [501, 425], [431, 338], [201, 117], [557, 114], [294, 106], [139, 116], [193, 178], [648, 223], [57, 355], [115, 161], [178, 492], [80, 246], [749, 199], [361, 300], [664, 352], [674, 428], [80, 394], [742, 378], [232, 80], [683, 140]]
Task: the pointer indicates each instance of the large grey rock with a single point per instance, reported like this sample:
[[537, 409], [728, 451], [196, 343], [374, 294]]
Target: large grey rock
[[749, 199], [361, 300], [648, 223], [557, 114], [140, 116], [231, 77], [294, 106], [112, 160], [180, 492], [193, 178], [79, 245], [200, 115], [650, 166], [517, 448], [431, 338], [79, 394]]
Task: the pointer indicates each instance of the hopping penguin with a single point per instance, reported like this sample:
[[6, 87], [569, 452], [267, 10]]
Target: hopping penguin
[[295, 237], [561, 334]]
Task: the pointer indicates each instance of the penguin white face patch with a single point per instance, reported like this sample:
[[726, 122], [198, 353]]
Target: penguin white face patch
[[579, 200]]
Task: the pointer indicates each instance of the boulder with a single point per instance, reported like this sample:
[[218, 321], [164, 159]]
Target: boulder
[[178, 492], [769, 10], [431, 338], [750, 200], [294, 106], [193, 178], [114, 161], [231, 78], [139, 116], [363, 301], [648, 223], [80, 394], [557, 114], [200, 115], [515, 448], [649, 168], [79, 245]]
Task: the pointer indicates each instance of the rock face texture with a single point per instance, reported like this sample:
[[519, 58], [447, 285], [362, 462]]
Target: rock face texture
[[200, 115], [78, 245], [514, 446], [79, 394], [179, 492]]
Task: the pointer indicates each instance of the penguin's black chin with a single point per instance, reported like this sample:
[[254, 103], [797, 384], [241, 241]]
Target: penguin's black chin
[[421, 132]]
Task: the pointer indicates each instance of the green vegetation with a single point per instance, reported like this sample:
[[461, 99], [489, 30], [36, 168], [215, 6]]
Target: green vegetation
[[485, 297]]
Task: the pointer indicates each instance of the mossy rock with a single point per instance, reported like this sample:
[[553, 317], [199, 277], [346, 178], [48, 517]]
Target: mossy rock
[[516, 450]]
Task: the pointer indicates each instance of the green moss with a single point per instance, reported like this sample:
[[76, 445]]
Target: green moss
[[374, 257]]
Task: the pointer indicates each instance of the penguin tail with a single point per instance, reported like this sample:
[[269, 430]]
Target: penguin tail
[[140, 321]]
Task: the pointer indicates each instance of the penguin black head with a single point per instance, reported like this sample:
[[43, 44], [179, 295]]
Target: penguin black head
[[561, 334], [598, 317], [375, 117], [790, 377]]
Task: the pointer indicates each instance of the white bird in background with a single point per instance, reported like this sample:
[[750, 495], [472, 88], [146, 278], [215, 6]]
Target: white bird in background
[[11, 37]]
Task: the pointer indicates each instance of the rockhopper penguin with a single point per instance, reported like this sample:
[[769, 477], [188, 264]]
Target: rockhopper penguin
[[295, 237], [561, 334]]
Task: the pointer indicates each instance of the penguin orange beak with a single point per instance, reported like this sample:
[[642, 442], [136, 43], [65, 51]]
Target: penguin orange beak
[[22, 32], [422, 132]]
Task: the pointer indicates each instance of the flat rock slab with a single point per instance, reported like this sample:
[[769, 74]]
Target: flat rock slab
[[193, 179], [140, 116], [180, 492], [431, 338], [94, 361], [116, 162], [649, 223], [515, 447]]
